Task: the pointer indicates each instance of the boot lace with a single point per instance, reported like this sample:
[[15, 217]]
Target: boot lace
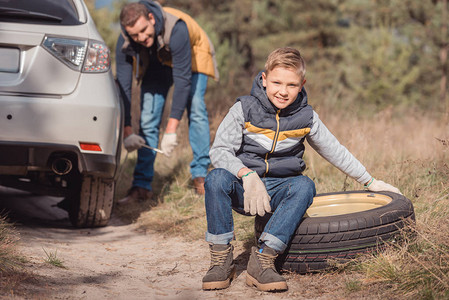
[[266, 260], [218, 258]]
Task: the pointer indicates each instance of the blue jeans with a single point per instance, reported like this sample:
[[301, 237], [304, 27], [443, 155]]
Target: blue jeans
[[290, 198], [153, 98]]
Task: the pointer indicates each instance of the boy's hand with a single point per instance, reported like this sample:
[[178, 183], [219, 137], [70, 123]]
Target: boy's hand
[[256, 198], [379, 186]]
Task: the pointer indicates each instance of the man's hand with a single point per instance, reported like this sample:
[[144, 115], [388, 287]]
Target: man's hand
[[379, 186], [133, 142], [256, 198], [168, 143]]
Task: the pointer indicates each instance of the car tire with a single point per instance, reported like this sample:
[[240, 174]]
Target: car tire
[[91, 206], [341, 226]]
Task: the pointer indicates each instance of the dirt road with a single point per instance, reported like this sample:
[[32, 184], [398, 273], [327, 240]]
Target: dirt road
[[119, 262]]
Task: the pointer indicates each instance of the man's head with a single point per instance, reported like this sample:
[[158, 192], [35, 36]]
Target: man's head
[[284, 76], [138, 22]]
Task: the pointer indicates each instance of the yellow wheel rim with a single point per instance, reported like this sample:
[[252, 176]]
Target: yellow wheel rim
[[345, 203]]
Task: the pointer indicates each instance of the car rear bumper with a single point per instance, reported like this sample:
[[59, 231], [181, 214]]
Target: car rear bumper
[[92, 114], [20, 158]]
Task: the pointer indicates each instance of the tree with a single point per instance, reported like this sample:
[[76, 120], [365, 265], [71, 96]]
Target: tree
[[106, 24]]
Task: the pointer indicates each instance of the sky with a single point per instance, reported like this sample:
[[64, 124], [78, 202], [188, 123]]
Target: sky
[[102, 3]]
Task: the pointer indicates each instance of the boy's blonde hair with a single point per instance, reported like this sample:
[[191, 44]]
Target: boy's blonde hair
[[286, 57]]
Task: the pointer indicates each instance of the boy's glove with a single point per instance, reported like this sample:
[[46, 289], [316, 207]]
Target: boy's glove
[[168, 143], [255, 197], [379, 186], [133, 142]]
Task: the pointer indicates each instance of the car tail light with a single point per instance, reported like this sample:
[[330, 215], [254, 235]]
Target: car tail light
[[80, 55], [69, 51], [90, 147], [98, 58]]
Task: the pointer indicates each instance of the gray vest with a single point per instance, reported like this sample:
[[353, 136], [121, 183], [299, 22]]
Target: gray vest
[[273, 140]]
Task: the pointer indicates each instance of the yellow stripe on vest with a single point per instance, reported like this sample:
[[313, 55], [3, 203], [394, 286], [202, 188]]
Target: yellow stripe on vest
[[254, 129], [296, 133]]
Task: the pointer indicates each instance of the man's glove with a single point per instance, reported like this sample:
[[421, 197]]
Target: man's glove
[[255, 197], [133, 142], [379, 186], [168, 143]]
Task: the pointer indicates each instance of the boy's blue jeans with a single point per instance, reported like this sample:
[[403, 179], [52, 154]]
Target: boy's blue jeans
[[152, 106], [290, 198]]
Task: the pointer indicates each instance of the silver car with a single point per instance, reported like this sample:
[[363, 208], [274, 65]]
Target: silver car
[[60, 112]]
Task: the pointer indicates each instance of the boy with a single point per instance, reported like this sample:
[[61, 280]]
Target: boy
[[257, 154]]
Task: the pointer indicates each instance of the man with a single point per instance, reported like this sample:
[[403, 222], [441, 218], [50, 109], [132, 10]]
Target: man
[[161, 47]]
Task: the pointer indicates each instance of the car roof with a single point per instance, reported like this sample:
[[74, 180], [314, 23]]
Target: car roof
[[56, 12]]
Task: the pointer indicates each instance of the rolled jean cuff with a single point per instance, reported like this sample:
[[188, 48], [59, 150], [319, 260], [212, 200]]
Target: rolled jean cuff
[[197, 175], [272, 242], [222, 239]]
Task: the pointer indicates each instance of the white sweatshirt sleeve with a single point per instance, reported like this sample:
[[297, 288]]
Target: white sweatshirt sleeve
[[228, 140], [327, 145]]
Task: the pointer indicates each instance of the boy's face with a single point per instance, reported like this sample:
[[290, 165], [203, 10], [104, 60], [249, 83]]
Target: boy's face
[[142, 31], [283, 86]]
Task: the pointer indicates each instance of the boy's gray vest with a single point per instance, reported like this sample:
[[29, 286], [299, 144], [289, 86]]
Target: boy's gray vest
[[273, 140]]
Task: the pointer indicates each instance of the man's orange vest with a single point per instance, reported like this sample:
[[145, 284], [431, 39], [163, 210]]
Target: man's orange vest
[[203, 52]]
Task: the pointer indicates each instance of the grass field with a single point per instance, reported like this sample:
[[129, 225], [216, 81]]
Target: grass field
[[408, 150]]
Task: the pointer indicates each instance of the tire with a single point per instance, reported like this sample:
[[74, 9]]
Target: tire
[[91, 206], [341, 226]]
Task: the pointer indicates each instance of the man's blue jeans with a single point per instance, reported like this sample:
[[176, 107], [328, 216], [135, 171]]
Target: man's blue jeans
[[152, 106], [290, 198]]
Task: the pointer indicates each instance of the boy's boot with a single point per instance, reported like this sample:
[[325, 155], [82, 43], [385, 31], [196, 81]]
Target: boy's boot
[[222, 269], [261, 271]]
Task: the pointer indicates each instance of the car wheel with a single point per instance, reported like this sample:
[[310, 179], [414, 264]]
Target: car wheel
[[91, 206], [340, 226]]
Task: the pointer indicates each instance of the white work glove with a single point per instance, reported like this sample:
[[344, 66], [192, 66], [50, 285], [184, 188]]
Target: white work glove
[[379, 186], [255, 197], [168, 143], [133, 142]]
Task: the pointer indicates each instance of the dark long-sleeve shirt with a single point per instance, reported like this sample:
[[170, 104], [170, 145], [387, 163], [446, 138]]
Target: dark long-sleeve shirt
[[181, 67]]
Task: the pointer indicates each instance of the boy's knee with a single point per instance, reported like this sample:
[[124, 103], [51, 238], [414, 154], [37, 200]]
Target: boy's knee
[[305, 185], [216, 178]]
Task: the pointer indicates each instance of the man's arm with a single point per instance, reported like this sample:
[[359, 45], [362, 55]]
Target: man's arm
[[182, 73], [124, 66]]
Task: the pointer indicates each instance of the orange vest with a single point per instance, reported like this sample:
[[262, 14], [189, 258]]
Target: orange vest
[[203, 53]]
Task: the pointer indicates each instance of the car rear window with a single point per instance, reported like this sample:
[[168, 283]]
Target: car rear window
[[54, 12]]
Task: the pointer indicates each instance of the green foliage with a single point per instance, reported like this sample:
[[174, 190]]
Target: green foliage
[[379, 53], [383, 74], [53, 259], [106, 23]]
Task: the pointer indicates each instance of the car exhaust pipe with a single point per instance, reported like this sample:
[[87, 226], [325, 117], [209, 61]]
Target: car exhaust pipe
[[61, 166]]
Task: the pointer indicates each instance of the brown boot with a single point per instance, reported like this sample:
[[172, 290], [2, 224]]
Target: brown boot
[[222, 269], [136, 195], [198, 183], [261, 272]]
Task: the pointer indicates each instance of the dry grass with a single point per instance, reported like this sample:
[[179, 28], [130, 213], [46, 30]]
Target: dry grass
[[408, 150], [11, 262]]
